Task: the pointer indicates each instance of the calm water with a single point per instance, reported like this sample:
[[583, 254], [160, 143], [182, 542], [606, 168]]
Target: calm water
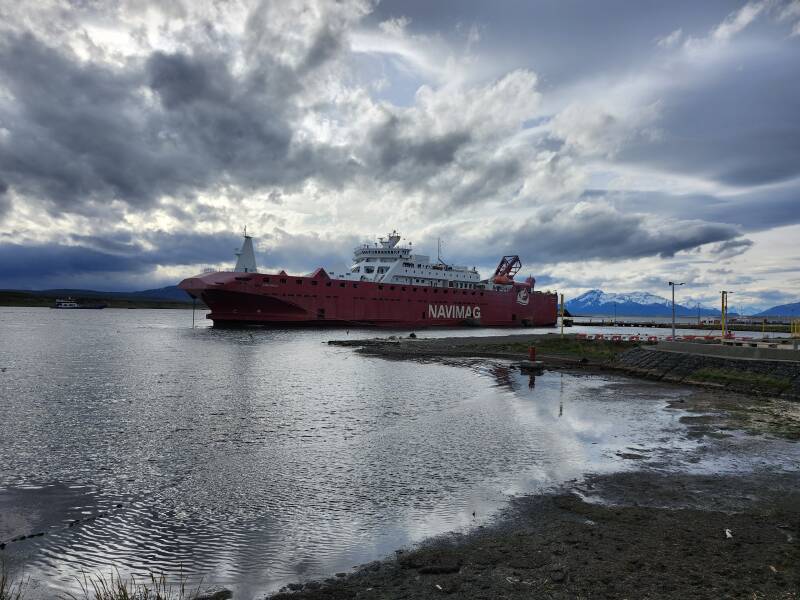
[[254, 458]]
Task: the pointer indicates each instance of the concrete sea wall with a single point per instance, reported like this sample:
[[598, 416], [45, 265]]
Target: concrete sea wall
[[776, 378]]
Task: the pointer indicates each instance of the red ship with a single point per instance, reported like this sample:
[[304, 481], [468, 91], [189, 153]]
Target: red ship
[[388, 285]]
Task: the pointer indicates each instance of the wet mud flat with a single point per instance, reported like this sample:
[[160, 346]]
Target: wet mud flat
[[656, 540], [663, 530]]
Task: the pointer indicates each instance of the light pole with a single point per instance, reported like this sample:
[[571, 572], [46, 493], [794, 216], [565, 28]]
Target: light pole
[[724, 313], [672, 284]]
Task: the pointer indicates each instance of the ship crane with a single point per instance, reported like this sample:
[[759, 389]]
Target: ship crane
[[505, 271]]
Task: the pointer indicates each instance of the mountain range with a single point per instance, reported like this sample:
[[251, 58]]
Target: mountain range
[[632, 304], [171, 295], [782, 310]]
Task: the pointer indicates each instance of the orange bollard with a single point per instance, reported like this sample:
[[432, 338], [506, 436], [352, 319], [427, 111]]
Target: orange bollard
[[532, 353]]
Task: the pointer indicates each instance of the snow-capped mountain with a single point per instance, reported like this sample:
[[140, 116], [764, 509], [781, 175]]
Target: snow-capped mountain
[[598, 302]]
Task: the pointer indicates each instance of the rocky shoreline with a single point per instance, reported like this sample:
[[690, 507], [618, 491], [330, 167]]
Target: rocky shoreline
[[661, 531]]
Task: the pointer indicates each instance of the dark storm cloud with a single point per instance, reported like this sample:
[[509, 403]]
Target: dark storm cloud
[[116, 256], [597, 232], [736, 123], [239, 132], [756, 210], [5, 201], [495, 175], [398, 149], [74, 131], [180, 79], [29, 262], [83, 133], [731, 248]]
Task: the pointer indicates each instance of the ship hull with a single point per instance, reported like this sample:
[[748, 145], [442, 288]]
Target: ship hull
[[242, 299]]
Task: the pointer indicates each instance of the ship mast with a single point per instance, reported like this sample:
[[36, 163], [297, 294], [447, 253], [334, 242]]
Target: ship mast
[[439, 252]]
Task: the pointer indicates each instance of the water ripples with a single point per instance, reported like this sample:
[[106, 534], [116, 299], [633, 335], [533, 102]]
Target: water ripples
[[253, 458]]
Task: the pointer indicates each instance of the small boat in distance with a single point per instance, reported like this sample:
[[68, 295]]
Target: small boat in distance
[[72, 304], [388, 285]]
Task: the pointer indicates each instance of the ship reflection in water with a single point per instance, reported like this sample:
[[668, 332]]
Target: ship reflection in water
[[254, 458]]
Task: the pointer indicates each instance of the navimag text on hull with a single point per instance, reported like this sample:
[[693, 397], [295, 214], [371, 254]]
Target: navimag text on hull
[[387, 285]]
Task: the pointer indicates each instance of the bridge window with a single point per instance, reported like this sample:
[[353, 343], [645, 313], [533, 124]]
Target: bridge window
[[298, 281]]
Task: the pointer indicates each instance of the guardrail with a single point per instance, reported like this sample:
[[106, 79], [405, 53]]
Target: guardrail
[[680, 338]]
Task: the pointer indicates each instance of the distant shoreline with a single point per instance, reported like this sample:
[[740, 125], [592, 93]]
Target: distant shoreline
[[32, 300]]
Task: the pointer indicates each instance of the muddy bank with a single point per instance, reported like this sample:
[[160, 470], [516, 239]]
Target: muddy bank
[[659, 539], [766, 378]]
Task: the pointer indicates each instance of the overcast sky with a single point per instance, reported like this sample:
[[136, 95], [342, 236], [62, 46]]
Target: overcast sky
[[611, 144]]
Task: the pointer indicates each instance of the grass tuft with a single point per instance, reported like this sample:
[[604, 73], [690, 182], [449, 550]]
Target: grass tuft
[[115, 587], [10, 589]]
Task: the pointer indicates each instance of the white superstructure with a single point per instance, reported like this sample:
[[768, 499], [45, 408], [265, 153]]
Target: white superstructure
[[387, 261]]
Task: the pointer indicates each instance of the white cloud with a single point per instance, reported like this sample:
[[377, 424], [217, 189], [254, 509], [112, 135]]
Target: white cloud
[[670, 40], [737, 21]]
